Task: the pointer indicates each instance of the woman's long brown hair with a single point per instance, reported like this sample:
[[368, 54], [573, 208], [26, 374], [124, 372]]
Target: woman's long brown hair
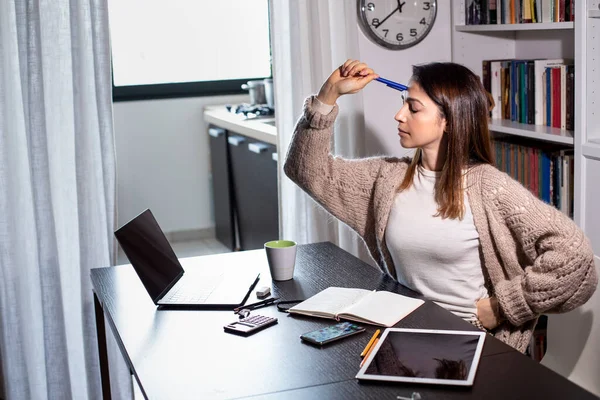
[[463, 102]]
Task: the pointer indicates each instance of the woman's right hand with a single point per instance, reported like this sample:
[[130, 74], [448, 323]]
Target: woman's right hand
[[350, 77]]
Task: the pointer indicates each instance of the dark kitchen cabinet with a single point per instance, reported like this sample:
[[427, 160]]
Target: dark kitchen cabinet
[[254, 177], [244, 184], [223, 202]]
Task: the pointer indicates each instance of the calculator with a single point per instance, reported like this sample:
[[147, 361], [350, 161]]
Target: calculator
[[249, 325]]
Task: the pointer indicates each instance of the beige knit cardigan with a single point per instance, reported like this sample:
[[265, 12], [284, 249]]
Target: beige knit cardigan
[[535, 259]]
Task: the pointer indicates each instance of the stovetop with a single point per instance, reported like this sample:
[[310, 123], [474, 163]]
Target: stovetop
[[251, 110]]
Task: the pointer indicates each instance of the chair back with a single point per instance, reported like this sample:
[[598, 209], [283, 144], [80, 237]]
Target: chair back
[[573, 343]]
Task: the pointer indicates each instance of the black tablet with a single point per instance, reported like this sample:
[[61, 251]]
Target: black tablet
[[424, 356]]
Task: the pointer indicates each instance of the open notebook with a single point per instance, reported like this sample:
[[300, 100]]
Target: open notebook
[[367, 306]]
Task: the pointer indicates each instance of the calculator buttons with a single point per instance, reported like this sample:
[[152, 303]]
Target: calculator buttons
[[250, 324]]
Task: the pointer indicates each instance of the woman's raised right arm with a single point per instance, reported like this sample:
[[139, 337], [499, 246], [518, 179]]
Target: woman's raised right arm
[[344, 187]]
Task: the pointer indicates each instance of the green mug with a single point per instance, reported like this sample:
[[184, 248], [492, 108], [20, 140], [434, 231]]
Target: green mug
[[281, 256]]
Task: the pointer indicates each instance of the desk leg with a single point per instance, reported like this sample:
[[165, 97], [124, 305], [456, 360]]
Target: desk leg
[[102, 351]]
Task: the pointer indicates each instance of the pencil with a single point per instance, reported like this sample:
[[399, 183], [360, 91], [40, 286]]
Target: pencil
[[368, 346], [369, 352]]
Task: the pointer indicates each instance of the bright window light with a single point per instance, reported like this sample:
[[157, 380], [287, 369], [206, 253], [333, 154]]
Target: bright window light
[[177, 41]]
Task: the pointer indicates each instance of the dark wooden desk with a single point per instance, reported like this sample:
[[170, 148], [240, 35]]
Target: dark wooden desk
[[179, 354]]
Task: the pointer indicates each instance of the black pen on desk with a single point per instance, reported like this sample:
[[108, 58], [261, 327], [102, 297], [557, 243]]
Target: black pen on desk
[[256, 305], [254, 283]]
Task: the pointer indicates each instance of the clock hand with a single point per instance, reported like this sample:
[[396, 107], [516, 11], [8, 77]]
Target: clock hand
[[385, 19], [400, 5]]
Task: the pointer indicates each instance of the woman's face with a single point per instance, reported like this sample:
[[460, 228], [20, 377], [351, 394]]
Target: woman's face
[[419, 122]]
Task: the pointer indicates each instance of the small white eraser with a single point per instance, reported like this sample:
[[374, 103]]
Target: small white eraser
[[263, 291]]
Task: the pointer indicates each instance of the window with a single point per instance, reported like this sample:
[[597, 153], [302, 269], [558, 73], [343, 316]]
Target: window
[[182, 48]]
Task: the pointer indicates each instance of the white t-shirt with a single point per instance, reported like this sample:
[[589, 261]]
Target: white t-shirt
[[436, 257]]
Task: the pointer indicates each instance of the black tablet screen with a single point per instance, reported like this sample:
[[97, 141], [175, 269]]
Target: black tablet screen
[[425, 355]]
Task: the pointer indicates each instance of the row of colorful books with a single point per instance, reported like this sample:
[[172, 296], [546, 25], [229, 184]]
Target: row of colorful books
[[546, 173], [487, 12], [539, 91]]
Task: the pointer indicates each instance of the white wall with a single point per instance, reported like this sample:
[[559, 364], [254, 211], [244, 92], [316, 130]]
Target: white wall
[[163, 161], [382, 105]]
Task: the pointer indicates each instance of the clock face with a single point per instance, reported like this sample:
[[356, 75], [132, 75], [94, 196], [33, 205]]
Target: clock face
[[396, 24]]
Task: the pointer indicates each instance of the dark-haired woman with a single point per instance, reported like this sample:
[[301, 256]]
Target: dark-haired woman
[[446, 223]]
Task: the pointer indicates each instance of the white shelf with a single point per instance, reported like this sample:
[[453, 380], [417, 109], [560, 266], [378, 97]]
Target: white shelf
[[593, 13], [538, 132], [591, 149], [515, 27]]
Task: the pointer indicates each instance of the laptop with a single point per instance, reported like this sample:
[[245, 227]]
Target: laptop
[[223, 286]]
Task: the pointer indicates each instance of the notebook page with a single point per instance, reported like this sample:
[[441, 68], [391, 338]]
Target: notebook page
[[383, 308], [330, 301]]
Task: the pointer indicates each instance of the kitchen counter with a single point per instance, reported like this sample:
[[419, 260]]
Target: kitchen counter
[[261, 128]]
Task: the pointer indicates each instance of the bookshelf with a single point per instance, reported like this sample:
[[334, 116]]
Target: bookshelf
[[540, 157], [537, 132], [587, 119], [513, 41], [472, 44], [514, 27]]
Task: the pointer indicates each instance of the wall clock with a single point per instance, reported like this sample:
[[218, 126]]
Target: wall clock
[[396, 24]]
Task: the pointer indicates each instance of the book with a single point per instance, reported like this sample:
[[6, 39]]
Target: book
[[572, 13], [514, 90], [526, 12], [505, 83], [563, 97], [561, 11], [530, 92], [548, 95], [556, 89], [474, 14], [492, 12], [547, 10], [490, 77], [539, 84], [486, 75], [570, 97], [360, 305], [501, 11], [522, 92], [496, 88]]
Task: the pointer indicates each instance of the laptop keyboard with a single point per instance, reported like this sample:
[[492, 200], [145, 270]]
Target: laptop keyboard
[[192, 292]]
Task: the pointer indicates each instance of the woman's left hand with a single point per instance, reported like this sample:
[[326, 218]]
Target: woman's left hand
[[488, 312]]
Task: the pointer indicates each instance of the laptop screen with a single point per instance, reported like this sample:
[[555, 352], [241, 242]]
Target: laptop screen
[[150, 253]]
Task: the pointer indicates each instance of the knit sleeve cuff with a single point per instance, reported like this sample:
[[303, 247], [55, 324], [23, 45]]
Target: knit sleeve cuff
[[321, 107], [512, 302], [316, 119]]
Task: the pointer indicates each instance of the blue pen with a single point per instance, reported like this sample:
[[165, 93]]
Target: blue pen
[[392, 84]]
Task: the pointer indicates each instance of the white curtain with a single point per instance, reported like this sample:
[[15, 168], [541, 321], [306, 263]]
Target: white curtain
[[57, 199], [310, 38]]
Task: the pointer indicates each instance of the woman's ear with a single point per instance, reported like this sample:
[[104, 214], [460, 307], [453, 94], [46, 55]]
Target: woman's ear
[[444, 125]]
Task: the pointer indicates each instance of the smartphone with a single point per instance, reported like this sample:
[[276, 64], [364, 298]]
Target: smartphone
[[331, 333]]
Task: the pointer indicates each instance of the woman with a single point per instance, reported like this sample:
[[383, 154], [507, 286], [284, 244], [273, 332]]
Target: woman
[[446, 223]]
